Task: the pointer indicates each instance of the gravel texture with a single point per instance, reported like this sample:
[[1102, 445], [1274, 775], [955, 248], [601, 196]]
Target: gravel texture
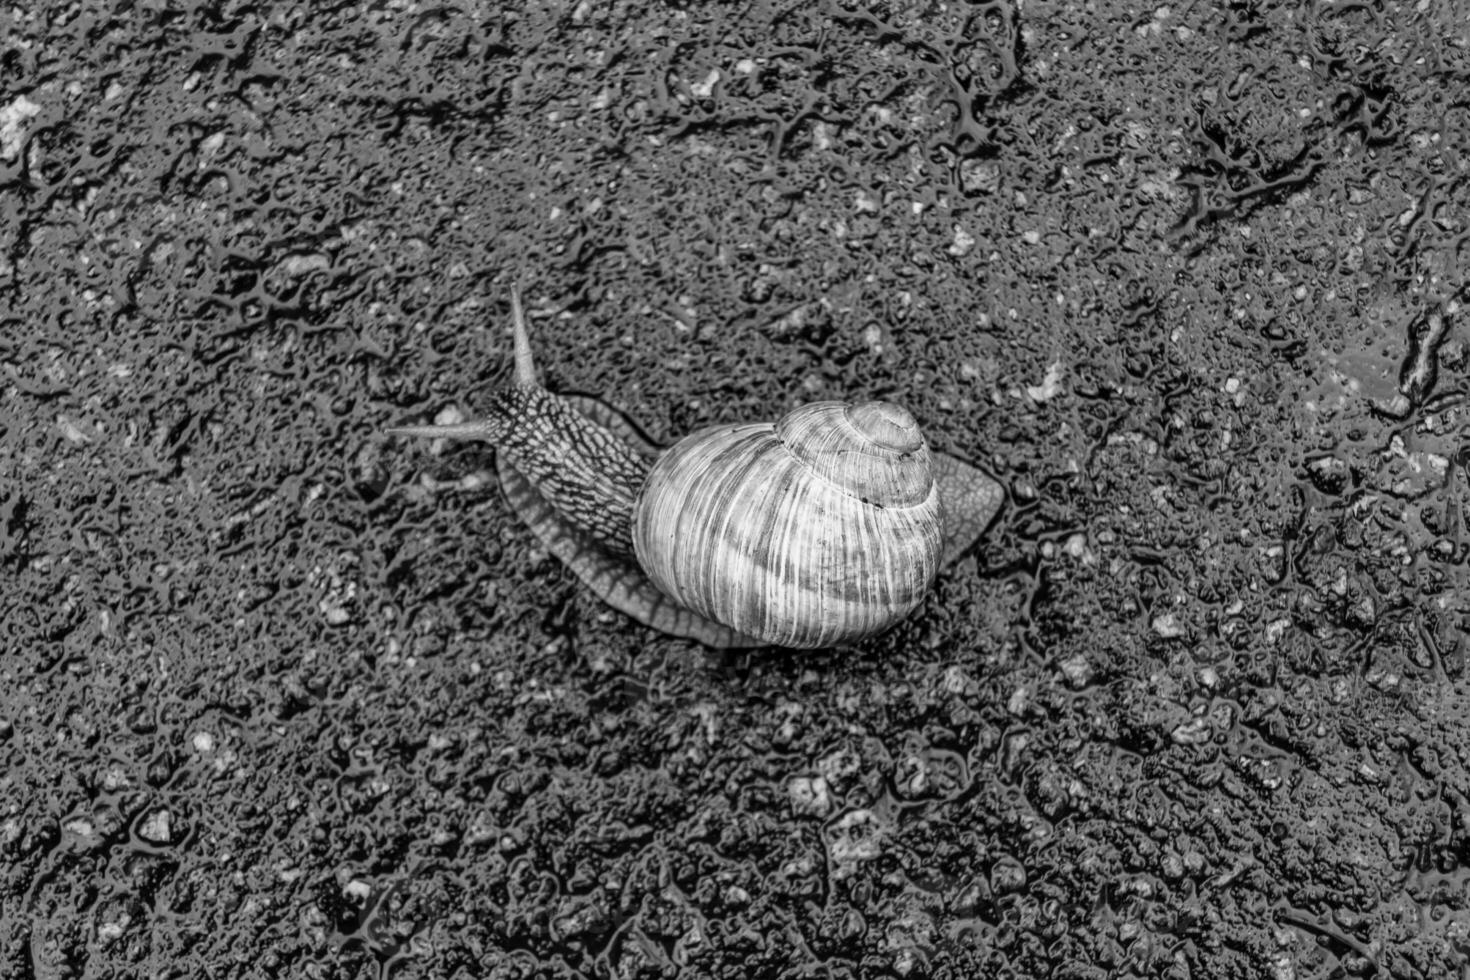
[[280, 696]]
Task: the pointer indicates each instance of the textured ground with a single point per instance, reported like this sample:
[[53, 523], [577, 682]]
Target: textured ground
[[282, 696]]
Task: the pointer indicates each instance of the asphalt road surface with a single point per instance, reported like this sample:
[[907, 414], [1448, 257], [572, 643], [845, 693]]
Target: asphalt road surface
[[282, 696]]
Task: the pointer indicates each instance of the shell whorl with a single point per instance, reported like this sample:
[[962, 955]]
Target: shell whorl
[[873, 450], [736, 524]]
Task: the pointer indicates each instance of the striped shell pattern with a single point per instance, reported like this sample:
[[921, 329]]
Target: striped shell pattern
[[815, 531]]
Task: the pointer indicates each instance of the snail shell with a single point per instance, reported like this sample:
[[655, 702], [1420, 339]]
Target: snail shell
[[821, 529], [816, 531]]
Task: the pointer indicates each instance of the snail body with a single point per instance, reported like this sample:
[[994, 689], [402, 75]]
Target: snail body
[[821, 529]]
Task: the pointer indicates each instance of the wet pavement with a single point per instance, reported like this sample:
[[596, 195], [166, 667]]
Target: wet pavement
[[280, 695]]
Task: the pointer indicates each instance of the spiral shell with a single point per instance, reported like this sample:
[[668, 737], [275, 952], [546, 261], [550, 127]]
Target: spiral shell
[[819, 530]]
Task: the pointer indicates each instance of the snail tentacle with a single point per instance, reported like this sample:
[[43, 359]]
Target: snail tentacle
[[526, 375]]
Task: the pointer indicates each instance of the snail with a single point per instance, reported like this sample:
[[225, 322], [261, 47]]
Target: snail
[[821, 529]]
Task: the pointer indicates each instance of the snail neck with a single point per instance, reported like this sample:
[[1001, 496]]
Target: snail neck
[[583, 470], [586, 472]]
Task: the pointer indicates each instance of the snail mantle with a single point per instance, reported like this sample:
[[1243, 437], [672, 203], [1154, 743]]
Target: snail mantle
[[821, 529]]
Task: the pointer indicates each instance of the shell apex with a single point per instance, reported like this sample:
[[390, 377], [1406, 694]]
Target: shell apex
[[836, 442]]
